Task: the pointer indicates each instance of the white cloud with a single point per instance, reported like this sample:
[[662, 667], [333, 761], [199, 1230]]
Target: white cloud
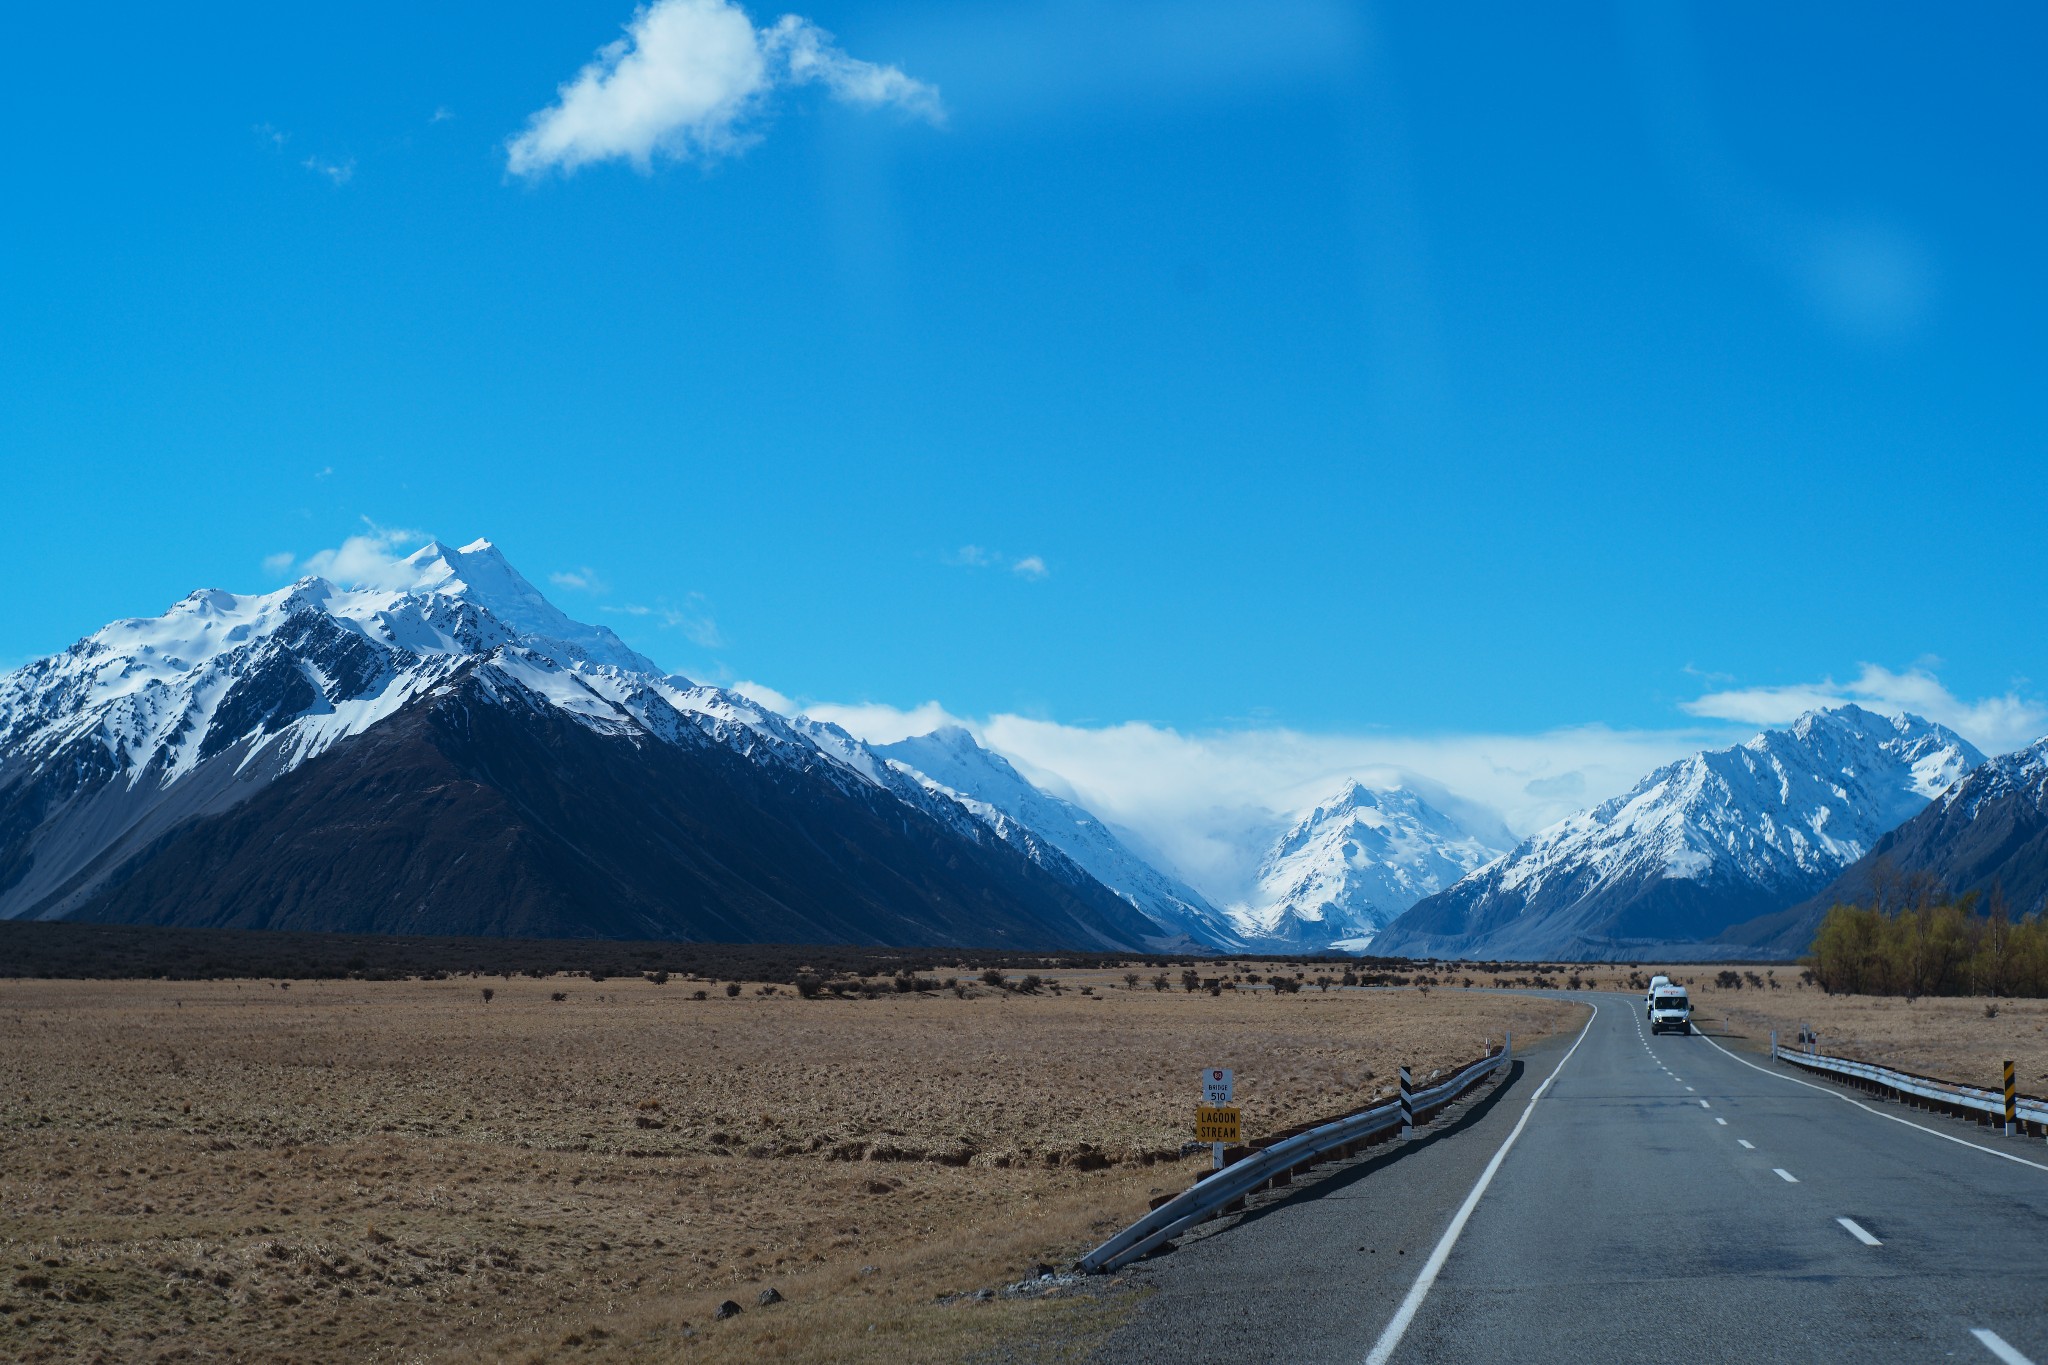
[[1994, 724], [693, 620], [583, 579], [279, 564], [1208, 802], [981, 557], [367, 560], [687, 80], [338, 172]]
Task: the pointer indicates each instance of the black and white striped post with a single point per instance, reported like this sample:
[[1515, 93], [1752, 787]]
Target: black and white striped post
[[2012, 1112], [1407, 1106]]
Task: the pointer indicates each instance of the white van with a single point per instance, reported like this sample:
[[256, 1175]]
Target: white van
[[1657, 983], [1670, 1008]]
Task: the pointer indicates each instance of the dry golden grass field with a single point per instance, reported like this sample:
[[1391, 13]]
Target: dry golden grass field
[[401, 1171]]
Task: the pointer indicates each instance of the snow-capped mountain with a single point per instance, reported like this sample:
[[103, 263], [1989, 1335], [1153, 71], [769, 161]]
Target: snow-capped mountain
[[1988, 832], [1697, 846], [950, 762], [134, 751], [1350, 865]]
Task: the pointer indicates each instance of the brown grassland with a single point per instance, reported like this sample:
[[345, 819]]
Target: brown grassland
[[399, 1171]]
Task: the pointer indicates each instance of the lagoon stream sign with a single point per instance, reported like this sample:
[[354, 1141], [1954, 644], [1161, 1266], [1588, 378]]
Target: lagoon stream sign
[[1216, 1118]]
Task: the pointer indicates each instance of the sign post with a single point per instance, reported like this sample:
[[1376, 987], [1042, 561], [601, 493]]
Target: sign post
[[1216, 1119]]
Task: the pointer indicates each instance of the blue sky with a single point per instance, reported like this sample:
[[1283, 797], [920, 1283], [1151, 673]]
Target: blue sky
[[1328, 369]]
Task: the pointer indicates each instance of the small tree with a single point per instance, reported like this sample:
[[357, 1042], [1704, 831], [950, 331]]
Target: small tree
[[488, 993]]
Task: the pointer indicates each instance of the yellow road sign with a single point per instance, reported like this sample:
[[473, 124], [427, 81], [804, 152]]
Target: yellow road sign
[[1216, 1123]]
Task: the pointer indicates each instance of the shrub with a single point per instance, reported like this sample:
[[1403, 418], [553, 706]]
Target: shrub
[[732, 988], [1130, 981], [558, 996], [700, 995], [994, 978], [807, 986], [1029, 984], [488, 993], [658, 978], [1161, 982], [1191, 981]]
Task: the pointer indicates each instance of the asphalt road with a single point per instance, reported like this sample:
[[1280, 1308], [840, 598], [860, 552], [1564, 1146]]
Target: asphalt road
[[1662, 1200]]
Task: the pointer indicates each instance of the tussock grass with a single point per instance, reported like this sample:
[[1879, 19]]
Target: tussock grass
[[359, 1170]]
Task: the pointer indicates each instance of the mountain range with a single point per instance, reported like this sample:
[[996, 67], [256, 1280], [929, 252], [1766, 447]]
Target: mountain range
[[1698, 846], [442, 751]]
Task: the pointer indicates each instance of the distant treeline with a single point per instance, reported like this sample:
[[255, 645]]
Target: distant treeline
[[1914, 941], [146, 952], [29, 949]]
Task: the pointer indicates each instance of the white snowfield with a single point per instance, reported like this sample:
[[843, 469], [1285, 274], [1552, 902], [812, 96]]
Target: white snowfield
[[1350, 865]]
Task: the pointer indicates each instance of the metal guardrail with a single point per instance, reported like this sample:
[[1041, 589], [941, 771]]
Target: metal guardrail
[[1967, 1099], [1208, 1197]]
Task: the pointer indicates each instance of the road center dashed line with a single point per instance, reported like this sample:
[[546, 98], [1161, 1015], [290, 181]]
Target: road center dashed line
[[1998, 1346], [1856, 1230], [1718, 1119], [1747, 1144], [1784, 1175]]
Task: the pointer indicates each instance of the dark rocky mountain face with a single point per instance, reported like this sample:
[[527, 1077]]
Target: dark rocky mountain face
[[1988, 833], [475, 812]]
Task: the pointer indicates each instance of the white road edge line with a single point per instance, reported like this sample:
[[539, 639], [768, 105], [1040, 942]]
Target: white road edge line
[[1828, 1090], [1784, 1175], [1405, 1314], [1856, 1231], [1997, 1344]]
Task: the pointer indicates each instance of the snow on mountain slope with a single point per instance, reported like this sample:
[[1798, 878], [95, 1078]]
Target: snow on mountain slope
[[950, 761], [1698, 845], [1353, 863], [151, 723]]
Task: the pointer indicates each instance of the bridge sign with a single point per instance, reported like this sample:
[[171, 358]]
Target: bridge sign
[[1219, 1085], [1217, 1123]]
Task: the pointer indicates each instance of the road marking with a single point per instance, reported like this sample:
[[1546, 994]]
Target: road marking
[[1718, 1119], [1856, 1231], [1784, 1175], [1828, 1090], [1997, 1344], [1703, 1103], [1405, 1314], [1689, 1088], [1747, 1144]]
